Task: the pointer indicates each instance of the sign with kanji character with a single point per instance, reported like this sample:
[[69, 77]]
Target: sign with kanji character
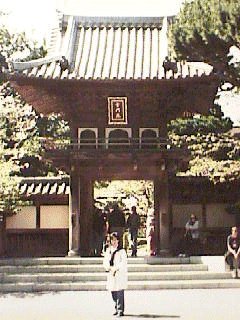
[[117, 110]]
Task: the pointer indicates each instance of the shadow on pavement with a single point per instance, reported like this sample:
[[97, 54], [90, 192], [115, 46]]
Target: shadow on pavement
[[150, 316], [28, 294]]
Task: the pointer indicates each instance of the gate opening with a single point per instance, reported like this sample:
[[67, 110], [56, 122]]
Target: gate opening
[[127, 194]]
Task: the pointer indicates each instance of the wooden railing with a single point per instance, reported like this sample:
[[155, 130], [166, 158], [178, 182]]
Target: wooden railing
[[137, 144]]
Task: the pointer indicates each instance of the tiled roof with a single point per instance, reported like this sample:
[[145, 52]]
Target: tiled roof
[[108, 48], [59, 186], [44, 186]]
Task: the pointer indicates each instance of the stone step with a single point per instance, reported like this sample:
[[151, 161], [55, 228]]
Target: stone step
[[132, 285], [99, 268], [133, 276], [53, 261], [89, 260], [75, 273]]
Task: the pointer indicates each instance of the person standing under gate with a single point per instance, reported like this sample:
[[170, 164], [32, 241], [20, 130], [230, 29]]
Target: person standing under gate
[[99, 231], [232, 256], [150, 236], [133, 224], [117, 222], [115, 263]]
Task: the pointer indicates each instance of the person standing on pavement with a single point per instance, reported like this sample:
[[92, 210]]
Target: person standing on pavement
[[115, 263], [232, 256], [133, 224]]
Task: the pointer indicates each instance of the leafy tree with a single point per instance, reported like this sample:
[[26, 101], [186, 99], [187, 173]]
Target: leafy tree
[[21, 152], [200, 125], [18, 138], [53, 126], [141, 190], [208, 30], [15, 45], [215, 152]]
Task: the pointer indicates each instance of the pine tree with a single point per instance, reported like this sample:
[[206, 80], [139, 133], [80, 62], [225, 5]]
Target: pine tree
[[215, 152], [208, 30]]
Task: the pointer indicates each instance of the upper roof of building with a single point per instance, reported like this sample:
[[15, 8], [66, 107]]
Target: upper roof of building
[[100, 48]]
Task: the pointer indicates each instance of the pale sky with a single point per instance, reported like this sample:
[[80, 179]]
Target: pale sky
[[29, 12], [36, 17]]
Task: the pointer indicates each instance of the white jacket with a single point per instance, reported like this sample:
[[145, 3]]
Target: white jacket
[[117, 274], [193, 228]]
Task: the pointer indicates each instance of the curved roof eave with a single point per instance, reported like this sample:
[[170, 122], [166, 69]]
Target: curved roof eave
[[110, 48]]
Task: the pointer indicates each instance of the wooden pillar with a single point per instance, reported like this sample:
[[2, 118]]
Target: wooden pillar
[[86, 214], [74, 215], [157, 215], [162, 215], [204, 215], [38, 215], [2, 234]]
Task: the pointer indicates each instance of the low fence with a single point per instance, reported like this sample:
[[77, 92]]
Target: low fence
[[36, 243]]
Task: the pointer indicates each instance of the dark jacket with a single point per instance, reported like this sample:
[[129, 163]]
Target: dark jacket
[[116, 219]]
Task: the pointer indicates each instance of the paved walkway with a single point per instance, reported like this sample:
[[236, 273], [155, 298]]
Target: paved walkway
[[221, 304]]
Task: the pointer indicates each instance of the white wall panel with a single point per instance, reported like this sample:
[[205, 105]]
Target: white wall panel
[[54, 216], [25, 219]]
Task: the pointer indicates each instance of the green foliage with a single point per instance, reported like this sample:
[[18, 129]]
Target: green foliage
[[141, 190], [18, 132], [9, 193], [215, 151], [18, 122], [17, 45], [217, 171], [17, 139], [21, 151], [205, 30], [216, 111], [199, 125], [53, 126]]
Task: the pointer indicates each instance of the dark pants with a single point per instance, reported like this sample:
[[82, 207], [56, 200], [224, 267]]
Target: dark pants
[[231, 261], [98, 243], [134, 234], [118, 298]]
